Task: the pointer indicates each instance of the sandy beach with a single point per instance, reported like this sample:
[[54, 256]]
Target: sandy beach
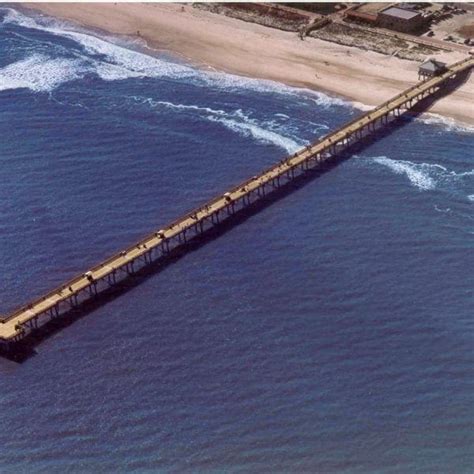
[[248, 49]]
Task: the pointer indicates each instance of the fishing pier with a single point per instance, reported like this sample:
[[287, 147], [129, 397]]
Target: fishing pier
[[161, 243]]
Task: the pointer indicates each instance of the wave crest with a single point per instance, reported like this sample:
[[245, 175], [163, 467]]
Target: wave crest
[[252, 129], [266, 132], [111, 58], [112, 61], [415, 173], [39, 73], [448, 124], [424, 176]]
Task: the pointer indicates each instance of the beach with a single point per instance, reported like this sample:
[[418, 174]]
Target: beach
[[214, 41]]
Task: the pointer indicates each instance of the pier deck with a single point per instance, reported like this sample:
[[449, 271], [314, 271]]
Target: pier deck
[[29, 317]]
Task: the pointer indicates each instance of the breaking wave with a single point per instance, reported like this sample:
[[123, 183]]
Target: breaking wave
[[104, 51], [415, 173], [266, 132], [441, 210], [112, 59], [446, 123], [251, 129], [39, 73], [181, 107], [424, 176], [325, 100]]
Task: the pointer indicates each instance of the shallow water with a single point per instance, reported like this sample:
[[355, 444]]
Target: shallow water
[[331, 332]]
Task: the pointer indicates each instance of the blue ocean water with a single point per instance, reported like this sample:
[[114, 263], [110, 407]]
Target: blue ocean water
[[331, 332]]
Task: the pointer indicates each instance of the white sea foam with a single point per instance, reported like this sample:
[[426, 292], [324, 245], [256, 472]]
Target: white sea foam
[[446, 123], [318, 128], [268, 132], [112, 61], [39, 73], [135, 62], [471, 197], [324, 100], [113, 72], [424, 176], [181, 107], [361, 106], [443, 211], [262, 135], [414, 172]]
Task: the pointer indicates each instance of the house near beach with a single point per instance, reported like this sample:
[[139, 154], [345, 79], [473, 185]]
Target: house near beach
[[402, 19]]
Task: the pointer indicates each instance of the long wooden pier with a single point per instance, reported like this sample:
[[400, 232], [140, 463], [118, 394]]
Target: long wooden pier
[[159, 244]]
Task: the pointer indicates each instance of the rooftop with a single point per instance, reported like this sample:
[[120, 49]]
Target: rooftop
[[433, 65], [372, 8], [402, 13]]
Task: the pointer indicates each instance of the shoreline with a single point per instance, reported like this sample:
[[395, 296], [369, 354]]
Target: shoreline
[[211, 41]]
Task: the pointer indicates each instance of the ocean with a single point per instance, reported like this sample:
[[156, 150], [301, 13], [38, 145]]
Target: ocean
[[331, 332]]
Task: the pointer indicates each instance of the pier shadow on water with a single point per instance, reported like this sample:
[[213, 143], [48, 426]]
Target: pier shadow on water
[[25, 349]]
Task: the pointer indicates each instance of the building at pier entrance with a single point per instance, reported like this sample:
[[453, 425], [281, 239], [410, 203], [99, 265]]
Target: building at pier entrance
[[431, 68]]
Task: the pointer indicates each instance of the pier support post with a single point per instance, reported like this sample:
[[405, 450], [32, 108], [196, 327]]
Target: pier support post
[[93, 288], [165, 247], [73, 301]]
